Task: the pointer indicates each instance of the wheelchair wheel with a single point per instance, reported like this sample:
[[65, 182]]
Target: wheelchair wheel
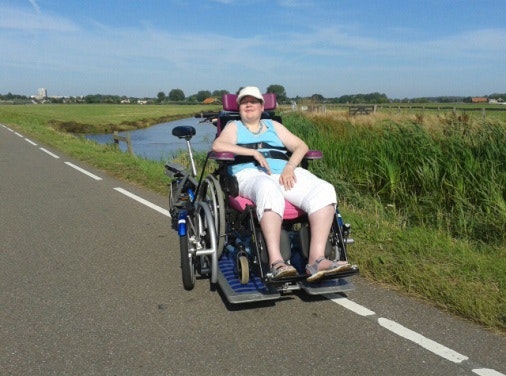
[[187, 262], [243, 268], [211, 192]]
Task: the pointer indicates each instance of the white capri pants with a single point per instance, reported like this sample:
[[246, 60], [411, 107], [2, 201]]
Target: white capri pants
[[310, 193]]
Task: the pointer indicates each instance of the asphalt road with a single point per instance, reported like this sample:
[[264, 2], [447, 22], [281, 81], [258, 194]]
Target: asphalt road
[[90, 285]]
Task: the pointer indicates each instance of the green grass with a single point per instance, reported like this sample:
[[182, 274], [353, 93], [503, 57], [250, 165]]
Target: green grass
[[426, 201], [425, 195], [98, 118]]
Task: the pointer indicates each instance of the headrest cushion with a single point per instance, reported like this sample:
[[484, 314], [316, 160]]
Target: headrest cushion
[[230, 102]]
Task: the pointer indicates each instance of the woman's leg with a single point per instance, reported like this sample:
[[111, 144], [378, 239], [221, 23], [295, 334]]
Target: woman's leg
[[317, 198], [271, 229], [320, 223], [265, 191]]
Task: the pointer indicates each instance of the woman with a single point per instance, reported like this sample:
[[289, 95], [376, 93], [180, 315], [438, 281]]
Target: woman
[[270, 181]]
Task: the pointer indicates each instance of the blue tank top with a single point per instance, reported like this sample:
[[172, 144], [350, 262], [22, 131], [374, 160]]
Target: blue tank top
[[270, 136]]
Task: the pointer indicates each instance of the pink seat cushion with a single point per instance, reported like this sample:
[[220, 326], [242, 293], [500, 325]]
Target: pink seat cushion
[[239, 203]]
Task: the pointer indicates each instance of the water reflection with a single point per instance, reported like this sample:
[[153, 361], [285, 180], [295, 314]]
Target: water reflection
[[157, 142]]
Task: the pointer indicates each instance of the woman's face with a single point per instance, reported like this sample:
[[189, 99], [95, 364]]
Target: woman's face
[[251, 108]]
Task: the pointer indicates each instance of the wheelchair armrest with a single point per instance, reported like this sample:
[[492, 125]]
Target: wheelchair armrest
[[222, 156], [313, 154]]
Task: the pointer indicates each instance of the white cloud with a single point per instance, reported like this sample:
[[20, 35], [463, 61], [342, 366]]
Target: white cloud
[[20, 19], [35, 6]]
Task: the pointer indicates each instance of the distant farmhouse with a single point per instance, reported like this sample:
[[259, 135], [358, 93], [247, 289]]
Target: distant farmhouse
[[211, 101], [487, 100], [479, 100]]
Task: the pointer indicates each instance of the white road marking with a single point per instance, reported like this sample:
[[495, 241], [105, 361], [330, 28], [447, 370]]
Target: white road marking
[[487, 372], [18, 134], [30, 141], [83, 171], [143, 201], [424, 342], [352, 306], [48, 152]]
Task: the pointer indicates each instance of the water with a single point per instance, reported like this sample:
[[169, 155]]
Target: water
[[157, 142]]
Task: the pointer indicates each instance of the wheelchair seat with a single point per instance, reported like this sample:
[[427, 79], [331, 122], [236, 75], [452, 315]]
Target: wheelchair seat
[[240, 203]]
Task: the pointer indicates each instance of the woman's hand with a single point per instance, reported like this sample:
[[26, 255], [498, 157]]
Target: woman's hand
[[262, 161], [287, 177]]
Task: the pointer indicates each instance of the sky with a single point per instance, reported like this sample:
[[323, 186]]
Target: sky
[[404, 49]]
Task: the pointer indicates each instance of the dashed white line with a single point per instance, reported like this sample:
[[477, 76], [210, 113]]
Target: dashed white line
[[352, 306], [83, 171], [410, 335], [48, 152], [487, 372], [18, 134], [424, 342], [143, 201], [30, 141]]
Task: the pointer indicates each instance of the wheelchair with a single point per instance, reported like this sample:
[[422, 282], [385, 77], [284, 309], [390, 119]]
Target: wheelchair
[[219, 234]]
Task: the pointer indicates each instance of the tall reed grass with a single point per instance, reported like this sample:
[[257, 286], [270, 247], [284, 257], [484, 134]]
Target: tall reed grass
[[444, 172]]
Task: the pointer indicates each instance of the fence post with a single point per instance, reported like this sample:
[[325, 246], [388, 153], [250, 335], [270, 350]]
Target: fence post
[[126, 139], [129, 145]]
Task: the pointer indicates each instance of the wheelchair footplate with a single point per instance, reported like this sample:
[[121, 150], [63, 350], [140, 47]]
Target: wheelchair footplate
[[328, 284], [331, 284], [272, 289]]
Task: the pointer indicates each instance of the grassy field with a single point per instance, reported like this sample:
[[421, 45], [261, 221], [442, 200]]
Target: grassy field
[[425, 193], [98, 118], [463, 110]]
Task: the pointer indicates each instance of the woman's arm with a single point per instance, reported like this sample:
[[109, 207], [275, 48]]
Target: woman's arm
[[294, 144], [297, 147]]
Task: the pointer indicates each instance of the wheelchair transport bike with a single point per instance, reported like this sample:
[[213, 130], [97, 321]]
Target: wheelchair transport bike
[[219, 234]]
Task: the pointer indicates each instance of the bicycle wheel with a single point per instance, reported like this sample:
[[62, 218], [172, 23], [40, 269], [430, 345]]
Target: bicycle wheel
[[187, 261]]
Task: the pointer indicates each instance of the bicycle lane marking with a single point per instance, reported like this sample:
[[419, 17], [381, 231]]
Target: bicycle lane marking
[[413, 336], [93, 176], [50, 153], [143, 201], [30, 141]]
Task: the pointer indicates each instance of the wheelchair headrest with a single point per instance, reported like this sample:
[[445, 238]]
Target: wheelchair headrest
[[230, 102]]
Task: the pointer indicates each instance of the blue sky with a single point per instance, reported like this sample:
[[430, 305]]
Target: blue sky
[[407, 48]]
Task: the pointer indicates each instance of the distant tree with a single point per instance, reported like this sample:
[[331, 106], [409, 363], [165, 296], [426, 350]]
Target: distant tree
[[364, 98], [280, 92], [317, 98], [176, 95], [219, 93], [192, 98], [202, 95], [95, 98], [161, 97]]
